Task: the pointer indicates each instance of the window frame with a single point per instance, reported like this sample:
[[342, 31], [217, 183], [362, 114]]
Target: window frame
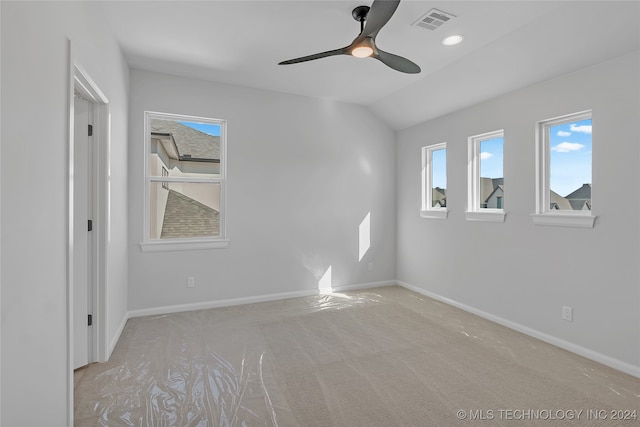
[[544, 215], [474, 210], [186, 243], [427, 210]]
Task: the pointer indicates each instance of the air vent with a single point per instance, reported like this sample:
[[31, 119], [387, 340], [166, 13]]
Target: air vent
[[433, 19]]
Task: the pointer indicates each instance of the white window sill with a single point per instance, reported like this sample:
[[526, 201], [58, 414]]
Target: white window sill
[[485, 215], [434, 213], [177, 245], [564, 220]]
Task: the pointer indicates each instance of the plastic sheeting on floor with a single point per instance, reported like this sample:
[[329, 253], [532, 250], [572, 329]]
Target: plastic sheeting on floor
[[382, 357]]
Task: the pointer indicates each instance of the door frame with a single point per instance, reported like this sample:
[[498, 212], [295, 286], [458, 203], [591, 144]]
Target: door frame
[[80, 81]]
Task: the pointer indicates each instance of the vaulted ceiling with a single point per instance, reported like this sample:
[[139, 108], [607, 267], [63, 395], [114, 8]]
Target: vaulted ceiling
[[507, 45]]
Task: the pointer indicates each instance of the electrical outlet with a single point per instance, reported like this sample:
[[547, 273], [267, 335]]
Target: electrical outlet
[[567, 313], [370, 266], [191, 282]]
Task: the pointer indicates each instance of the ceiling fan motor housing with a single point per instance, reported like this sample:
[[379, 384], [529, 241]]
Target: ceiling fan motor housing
[[360, 13]]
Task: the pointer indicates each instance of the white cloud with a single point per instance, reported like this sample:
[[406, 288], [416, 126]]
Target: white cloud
[[583, 128], [564, 133], [567, 147], [484, 155]]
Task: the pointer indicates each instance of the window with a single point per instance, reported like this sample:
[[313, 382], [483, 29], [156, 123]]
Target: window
[[434, 181], [563, 171], [185, 182], [486, 177]]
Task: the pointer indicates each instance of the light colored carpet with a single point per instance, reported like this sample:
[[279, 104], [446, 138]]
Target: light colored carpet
[[381, 357]]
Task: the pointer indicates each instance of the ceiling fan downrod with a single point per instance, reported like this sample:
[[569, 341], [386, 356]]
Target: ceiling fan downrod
[[360, 14]]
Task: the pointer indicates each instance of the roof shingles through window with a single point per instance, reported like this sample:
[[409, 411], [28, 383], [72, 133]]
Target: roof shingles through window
[[185, 217]]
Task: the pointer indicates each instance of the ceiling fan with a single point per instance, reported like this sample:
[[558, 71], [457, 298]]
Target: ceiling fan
[[371, 19]]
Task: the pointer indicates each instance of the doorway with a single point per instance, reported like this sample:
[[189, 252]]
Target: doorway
[[83, 242]]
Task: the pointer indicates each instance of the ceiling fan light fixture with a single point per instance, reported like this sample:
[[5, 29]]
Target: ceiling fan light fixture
[[364, 49], [452, 40]]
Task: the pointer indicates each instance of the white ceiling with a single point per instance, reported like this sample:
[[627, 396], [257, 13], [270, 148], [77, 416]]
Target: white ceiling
[[508, 45]]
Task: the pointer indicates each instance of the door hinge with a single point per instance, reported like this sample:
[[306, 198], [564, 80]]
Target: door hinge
[[89, 225], [90, 320], [90, 130]]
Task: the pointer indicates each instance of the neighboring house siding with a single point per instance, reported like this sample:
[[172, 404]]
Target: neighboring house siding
[[438, 197], [489, 186], [158, 195], [498, 194], [558, 202]]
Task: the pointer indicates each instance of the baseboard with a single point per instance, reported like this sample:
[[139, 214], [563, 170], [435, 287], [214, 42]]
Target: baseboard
[[558, 342], [154, 311]]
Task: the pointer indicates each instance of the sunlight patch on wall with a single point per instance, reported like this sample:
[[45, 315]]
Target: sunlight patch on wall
[[364, 236], [324, 284]]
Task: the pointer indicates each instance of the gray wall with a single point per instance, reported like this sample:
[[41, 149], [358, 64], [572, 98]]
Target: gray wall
[[515, 271], [35, 76], [302, 174]]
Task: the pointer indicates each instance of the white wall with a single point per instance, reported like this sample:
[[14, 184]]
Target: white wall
[[0, 216], [35, 76], [595, 271], [302, 174]]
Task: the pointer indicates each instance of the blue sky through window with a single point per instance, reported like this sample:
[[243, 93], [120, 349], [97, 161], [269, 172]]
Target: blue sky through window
[[204, 127], [439, 168], [569, 156], [491, 158]]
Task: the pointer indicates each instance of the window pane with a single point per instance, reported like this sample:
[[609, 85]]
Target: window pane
[[570, 166], [179, 210], [184, 149], [439, 178], [491, 174]]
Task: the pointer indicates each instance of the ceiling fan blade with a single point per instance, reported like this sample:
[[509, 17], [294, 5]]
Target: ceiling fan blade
[[396, 62], [379, 14], [341, 51]]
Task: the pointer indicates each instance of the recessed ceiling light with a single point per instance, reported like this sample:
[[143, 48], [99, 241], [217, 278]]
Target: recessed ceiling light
[[452, 40]]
